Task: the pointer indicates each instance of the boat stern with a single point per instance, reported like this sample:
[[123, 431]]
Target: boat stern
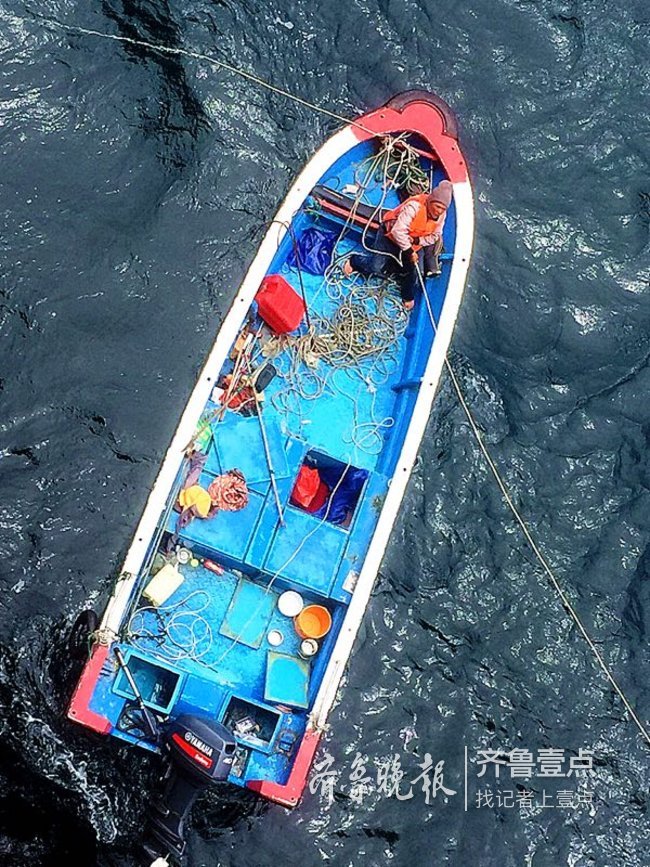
[[79, 709], [288, 794]]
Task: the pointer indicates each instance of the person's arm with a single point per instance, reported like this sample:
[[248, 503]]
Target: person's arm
[[428, 240], [400, 231]]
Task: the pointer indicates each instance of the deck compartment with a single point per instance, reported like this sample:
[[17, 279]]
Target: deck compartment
[[253, 724], [158, 684]]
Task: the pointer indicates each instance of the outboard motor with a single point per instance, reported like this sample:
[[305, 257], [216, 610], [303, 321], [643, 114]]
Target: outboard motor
[[200, 752]]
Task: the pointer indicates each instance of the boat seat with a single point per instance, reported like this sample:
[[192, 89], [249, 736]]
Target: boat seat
[[341, 206], [237, 442], [227, 533]]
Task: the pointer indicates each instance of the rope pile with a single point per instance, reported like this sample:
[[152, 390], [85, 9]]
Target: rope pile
[[403, 167], [229, 491], [368, 321], [359, 341]]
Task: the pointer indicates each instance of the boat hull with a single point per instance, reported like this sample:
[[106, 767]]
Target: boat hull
[[429, 120]]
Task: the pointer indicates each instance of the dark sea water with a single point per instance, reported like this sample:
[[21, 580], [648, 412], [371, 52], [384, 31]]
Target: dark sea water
[[134, 190]]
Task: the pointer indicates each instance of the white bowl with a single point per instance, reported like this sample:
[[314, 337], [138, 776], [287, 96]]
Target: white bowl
[[275, 637], [290, 603]]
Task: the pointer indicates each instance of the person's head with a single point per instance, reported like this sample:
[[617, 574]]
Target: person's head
[[439, 199]]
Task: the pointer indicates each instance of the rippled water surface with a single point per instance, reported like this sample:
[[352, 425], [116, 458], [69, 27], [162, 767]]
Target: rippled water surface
[[134, 191]]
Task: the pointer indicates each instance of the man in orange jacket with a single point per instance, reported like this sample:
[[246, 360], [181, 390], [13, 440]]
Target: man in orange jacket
[[410, 229]]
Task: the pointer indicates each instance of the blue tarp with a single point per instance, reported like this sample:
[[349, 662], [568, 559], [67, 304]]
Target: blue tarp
[[346, 496], [315, 248]]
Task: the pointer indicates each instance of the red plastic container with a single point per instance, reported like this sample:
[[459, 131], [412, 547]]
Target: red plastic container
[[279, 304], [214, 567]]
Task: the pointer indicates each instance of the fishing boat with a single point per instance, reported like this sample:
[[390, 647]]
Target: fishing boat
[[235, 611]]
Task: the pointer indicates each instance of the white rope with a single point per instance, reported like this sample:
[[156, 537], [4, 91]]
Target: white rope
[[538, 554], [188, 634], [196, 55]]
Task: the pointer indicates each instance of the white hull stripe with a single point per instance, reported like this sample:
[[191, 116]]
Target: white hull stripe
[[342, 649]]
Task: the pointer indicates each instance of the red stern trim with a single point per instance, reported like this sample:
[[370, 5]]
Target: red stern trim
[[79, 710], [289, 794]]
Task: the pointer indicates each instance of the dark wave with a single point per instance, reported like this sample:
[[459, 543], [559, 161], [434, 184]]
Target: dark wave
[[135, 188]]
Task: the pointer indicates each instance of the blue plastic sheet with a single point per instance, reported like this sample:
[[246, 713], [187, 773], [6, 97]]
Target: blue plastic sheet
[[345, 496], [315, 248]]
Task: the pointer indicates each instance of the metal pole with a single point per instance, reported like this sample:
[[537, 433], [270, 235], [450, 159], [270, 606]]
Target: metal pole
[[267, 452], [146, 713], [296, 253]]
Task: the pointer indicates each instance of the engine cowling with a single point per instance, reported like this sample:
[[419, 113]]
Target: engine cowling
[[200, 752]]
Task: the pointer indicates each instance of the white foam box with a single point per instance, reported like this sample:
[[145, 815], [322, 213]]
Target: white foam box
[[163, 584]]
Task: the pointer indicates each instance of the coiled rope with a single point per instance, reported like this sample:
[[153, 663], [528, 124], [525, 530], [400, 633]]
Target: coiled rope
[[181, 632], [367, 322], [360, 339], [163, 49], [406, 170]]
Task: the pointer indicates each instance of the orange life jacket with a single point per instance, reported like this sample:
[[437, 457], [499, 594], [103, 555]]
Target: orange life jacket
[[421, 224]]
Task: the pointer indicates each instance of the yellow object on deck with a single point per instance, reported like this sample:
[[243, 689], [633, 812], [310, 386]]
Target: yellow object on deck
[[198, 497], [163, 584]]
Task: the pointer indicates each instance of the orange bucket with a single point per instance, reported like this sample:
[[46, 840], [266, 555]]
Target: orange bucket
[[314, 621]]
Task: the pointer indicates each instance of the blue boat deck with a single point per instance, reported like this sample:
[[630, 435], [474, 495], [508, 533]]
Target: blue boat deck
[[206, 648]]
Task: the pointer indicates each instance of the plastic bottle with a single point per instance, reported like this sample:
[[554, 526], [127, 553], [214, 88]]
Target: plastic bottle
[[213, 567]]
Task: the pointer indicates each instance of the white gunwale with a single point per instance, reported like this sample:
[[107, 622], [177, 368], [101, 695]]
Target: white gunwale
[[326, 156]]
